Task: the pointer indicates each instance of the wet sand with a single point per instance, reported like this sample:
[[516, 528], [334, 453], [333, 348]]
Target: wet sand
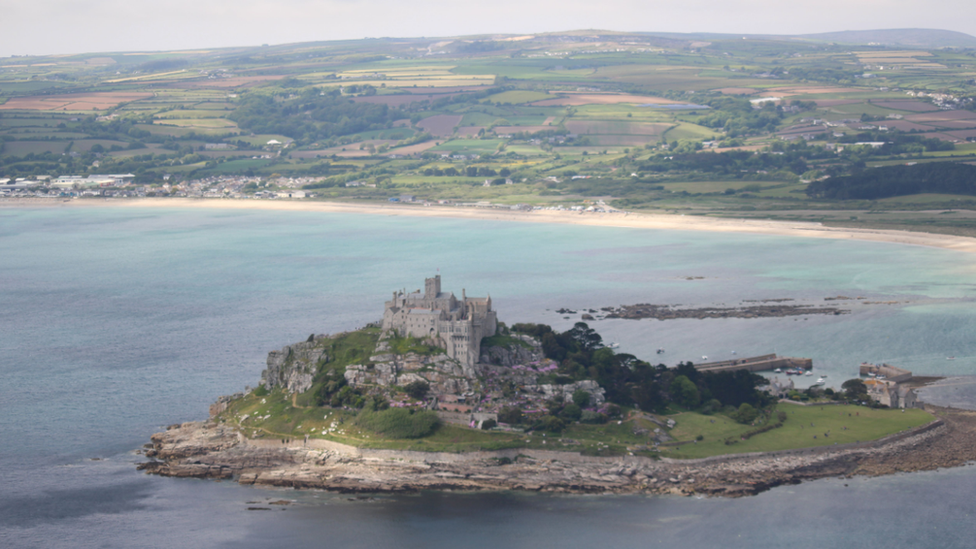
[[625, 220]]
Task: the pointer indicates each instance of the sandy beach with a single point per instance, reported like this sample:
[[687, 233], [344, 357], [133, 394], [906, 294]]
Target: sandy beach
[[625, 220]]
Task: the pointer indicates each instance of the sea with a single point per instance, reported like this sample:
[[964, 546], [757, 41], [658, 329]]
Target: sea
[[115, 322]]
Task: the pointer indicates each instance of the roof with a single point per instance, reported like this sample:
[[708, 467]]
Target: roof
[[428, 312]]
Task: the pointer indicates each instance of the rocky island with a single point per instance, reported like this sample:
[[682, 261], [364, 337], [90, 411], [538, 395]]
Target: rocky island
[[441, 395]]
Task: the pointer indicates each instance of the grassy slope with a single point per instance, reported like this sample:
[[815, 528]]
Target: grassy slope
[[613, 438]]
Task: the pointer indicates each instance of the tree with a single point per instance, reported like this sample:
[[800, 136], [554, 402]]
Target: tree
[[551, 423], [585, 337], [571, 412], [581, 398], [684, 392], [510, 415], [855, 389], [745, 414], [417, 389]]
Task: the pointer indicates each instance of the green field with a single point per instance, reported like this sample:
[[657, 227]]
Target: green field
[[518, 97], [273, 415], [469, 146], [803, 423]]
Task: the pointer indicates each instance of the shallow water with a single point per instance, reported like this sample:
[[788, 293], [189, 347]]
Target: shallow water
[[114, 323]]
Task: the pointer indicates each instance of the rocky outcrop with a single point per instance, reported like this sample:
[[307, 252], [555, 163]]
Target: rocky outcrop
[[294, 366], [597, 397], [212, 450], [514, 354], [672, 312], [444, 374], [218, 407], [209, 450]]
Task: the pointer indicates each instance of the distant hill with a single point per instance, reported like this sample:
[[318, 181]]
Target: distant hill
[[909, 38], [922, 38]]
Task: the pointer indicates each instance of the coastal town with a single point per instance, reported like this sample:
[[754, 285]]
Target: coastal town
[[121, 186]]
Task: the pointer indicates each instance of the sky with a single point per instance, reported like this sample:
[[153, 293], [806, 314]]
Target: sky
[[41, 27]]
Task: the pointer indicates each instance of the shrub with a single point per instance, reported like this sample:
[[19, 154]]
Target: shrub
[[488, 424], [377, 403], [510, 415], [745, 414], [711, 406], [581, 398], [571, 412], [550, 423], [589, 416], [261, 391], [398, 422], [417, 389]]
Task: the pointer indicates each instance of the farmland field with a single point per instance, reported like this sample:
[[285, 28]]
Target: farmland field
[[600, 99], [441, 125], [469, 146], [516, 97], [538, 109], [73, 102]]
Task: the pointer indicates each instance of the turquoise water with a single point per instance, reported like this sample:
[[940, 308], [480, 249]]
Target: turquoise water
[[114, 323]]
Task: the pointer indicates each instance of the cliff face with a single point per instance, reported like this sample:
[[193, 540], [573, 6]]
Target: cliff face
[[442, 373], [513, 354], [294, 366]]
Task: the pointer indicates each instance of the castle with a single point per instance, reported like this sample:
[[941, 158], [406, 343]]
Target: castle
[[458, 325]]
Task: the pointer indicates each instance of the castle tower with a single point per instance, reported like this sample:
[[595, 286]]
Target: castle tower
[[461, 325], [432, 287]]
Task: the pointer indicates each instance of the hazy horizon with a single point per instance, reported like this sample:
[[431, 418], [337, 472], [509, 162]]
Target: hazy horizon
[[49, 27]]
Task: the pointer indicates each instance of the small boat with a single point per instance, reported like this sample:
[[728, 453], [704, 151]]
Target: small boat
[[950, 358], [821, 380], [778, 371], [660, 351], [809, 373], [704, 357], [613, 345]]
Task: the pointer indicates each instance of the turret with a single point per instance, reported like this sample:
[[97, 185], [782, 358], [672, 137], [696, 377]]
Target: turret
[[432, 287]]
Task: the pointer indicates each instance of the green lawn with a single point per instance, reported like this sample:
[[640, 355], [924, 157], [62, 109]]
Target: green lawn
[[273, 415], [469, 146], [862, 424], [685, 130]]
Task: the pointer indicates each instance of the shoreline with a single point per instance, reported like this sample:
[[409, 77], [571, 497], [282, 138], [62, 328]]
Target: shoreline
[[618, 220], [218, 451]]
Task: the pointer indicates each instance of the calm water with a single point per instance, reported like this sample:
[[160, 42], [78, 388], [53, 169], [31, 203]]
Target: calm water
[[115, 323]]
